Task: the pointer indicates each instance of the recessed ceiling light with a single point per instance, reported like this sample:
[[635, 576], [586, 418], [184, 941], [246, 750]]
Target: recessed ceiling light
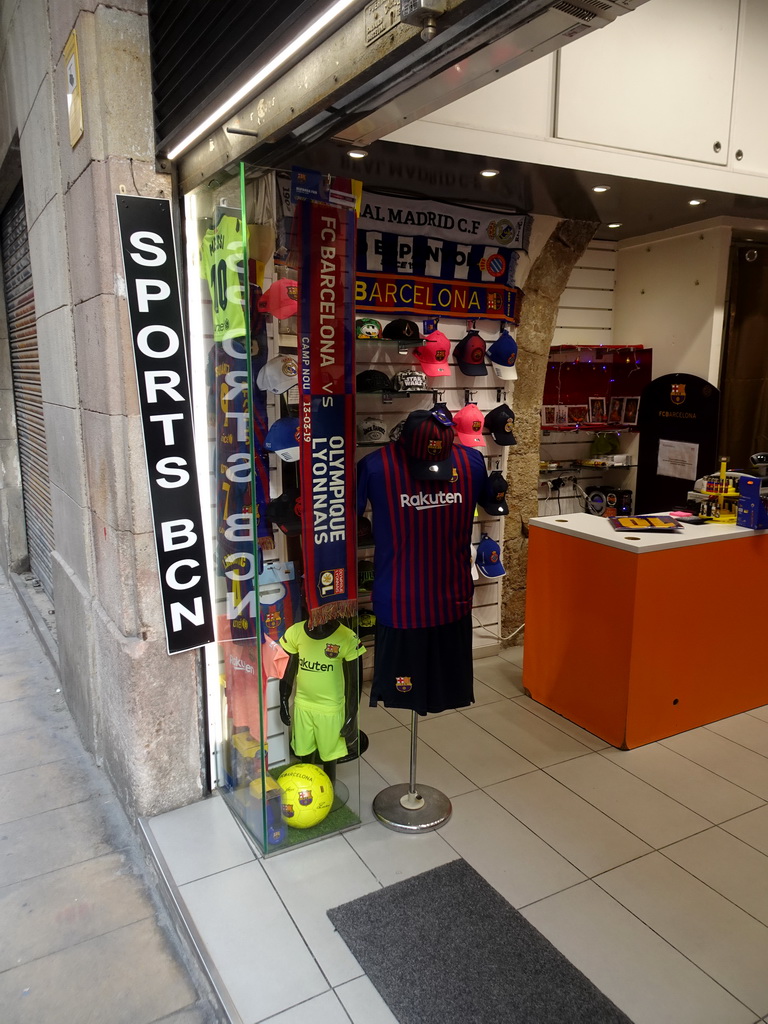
[[696, 202], [601, 188], [616, 224], [357, 154], [488, 173]]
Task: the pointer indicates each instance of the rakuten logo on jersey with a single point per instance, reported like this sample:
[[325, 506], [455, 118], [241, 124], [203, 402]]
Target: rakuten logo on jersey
[[239, 665], [423, 501]]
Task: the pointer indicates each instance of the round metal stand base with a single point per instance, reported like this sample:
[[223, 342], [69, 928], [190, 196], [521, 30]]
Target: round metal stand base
[[434, 810]]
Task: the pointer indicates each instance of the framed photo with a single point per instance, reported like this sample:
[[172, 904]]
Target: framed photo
[[578, 413], [631, 409], [597, 410], [548, 415], [615, 410], [561, 414]]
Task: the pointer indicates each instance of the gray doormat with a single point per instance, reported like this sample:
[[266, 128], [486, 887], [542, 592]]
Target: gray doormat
[[445, 948]]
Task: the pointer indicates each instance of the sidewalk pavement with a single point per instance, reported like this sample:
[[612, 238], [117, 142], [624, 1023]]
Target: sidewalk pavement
[[84, 938]]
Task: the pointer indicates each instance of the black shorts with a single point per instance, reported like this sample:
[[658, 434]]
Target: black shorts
[[424, 670]]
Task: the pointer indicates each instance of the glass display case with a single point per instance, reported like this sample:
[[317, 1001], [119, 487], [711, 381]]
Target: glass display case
[[244, 361]]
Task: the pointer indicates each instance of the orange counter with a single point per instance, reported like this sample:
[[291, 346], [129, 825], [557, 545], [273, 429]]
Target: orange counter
[[637, 637]]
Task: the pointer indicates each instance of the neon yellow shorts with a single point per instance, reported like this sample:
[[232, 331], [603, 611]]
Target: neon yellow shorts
[[313, 729]]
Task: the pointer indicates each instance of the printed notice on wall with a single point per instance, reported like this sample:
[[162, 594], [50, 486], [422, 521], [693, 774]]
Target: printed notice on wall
[[678, 459]]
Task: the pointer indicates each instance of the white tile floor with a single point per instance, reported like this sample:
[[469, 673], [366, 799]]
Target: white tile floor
[[648, 868]]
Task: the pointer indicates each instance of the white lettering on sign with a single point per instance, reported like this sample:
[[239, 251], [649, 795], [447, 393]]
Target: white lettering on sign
[[178, 533], [138, 242], [160, 290]]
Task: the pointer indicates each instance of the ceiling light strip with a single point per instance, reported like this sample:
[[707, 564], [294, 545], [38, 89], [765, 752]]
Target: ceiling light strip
[[218, 115]]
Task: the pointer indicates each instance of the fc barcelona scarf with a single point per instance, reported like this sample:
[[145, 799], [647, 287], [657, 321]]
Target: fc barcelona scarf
[[326, 240]]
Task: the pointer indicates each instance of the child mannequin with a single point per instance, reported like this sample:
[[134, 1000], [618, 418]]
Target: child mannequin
[[323, 667]]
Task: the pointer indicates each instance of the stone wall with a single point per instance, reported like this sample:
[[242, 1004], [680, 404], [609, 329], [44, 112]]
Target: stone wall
[[136, 709]]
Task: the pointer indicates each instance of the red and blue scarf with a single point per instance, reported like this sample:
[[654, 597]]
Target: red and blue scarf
[[326, 236]]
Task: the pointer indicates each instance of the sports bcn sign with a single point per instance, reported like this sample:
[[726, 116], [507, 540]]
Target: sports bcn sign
[[162, 376]]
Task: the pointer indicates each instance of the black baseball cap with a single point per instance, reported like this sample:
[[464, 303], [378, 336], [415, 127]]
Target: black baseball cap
[[373, 380], [402, 330], [364, 530], [365, 575], [500, 422], [427, 437], [409, 380], [495, 499], [366, 623], [285, 512]]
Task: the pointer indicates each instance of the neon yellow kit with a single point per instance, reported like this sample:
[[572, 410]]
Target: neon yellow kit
[[319, 708]]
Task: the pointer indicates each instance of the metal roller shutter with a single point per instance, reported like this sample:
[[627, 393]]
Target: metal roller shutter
[[27, 389]]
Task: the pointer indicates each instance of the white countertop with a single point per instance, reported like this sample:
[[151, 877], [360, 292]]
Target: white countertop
[[599, 530]]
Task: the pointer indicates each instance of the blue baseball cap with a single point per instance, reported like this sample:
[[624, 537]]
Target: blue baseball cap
[[488, 559], [283, 438], [503, 355], [427, 437]]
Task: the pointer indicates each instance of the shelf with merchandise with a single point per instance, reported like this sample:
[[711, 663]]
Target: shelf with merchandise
[[392, 393], [388, 343], [585, 466], [587, 428]]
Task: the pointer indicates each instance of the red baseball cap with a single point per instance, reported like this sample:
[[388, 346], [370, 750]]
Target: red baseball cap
[[434, 354], [469, 426], [470, 355], [280, 299]]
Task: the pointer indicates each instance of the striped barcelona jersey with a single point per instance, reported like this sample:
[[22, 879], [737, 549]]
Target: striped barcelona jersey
[[422, 532]]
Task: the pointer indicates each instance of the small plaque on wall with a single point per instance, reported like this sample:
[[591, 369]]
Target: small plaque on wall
[[74, 91]]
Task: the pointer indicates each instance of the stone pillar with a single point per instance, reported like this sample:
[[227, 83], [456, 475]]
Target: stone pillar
[[136, 708], [544, 285]]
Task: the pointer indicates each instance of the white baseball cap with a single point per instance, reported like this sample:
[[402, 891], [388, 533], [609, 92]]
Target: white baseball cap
[[372, 429], [278, 375]]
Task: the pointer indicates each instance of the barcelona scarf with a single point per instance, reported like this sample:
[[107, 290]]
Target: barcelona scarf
[[325, 236]]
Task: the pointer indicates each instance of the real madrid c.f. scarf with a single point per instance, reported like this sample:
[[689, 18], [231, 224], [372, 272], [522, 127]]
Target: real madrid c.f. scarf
[[326, 238]]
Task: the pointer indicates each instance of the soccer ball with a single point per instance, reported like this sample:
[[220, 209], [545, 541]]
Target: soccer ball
[[307, 795]]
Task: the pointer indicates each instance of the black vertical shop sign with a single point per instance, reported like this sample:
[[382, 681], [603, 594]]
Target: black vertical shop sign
[[162, 376]]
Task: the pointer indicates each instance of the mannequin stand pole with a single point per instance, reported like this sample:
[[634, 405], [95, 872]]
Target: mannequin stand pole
[[404, 808]]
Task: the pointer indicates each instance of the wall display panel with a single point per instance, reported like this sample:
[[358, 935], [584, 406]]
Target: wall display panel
[[408, 250], [594, 387]]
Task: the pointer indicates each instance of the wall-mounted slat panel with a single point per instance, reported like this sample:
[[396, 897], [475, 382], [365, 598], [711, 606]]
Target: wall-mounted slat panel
[[601, 319], [582, 336], [589, 277], [585, 317]]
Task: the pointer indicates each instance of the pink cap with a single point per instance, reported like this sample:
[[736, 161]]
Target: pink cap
[[280, 299], [434, 354], [469, 426]]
